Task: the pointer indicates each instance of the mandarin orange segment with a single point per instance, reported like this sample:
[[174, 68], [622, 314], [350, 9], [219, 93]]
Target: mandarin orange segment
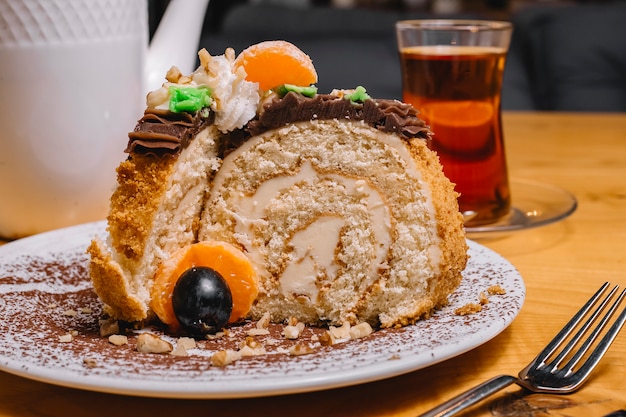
[[274, 63], [224, 258], [463, 113], [459, 126]]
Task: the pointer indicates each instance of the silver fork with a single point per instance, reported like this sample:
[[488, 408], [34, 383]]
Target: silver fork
[[547, 372]]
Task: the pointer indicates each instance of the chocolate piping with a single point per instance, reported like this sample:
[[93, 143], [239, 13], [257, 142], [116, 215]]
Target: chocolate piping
[[161, 132]]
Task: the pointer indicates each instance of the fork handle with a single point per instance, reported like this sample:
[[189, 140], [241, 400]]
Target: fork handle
[[470, 397]]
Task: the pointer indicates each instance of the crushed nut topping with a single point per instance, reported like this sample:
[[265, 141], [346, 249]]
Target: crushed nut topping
[[118, 340], [66, 338], [109, 327], [300, 349], [224, 357], [149, 343], [361, 330], [90, 362]]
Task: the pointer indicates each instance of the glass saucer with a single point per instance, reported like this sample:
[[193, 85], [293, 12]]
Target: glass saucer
[[534, 204]]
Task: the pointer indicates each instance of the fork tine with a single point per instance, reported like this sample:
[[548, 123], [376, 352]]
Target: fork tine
[[556, 362], [603, 346], [587, 344], [540, 360]]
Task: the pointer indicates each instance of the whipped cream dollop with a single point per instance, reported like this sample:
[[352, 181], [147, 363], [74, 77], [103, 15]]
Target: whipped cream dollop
[[233, 99]]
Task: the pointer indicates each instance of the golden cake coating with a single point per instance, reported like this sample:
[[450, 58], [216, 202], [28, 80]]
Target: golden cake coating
[[336, 200]]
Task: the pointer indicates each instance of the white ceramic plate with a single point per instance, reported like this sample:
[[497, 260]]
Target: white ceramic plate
[[45, 293]]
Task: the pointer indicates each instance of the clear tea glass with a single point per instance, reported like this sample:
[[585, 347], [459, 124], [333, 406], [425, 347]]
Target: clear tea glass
[[452, 73]]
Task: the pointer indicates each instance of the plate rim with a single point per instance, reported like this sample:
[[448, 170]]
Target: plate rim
[[188, 390]]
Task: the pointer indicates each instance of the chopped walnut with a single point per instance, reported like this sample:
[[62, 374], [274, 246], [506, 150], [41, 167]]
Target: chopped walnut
[[224, 357], [204, 57], [90, 362], [250, 342], [179, 350], [149, 343], [66, 338], [251, 347], [264, 321], [118, 339], [173, 74], [157, 97], [230, 54], [342, 332], [327, 339], [257, 332], [291, 332], [215, 336], [186, 342], [300, 349], [360, 330], [109, 327]]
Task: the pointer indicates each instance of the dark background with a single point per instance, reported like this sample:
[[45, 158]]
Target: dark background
[[566, 56]]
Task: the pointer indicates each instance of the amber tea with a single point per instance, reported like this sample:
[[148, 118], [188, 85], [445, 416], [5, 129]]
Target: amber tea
[[457, 91]]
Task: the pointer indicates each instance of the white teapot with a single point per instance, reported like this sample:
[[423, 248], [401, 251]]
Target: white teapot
[[74, 75]]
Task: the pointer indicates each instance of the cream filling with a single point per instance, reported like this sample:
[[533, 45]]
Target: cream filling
[[314, 247], [313, 257]]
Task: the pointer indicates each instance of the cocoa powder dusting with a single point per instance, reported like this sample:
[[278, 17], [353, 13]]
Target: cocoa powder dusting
[[44, 278]]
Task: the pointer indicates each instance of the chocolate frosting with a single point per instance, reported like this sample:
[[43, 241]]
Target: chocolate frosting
[[161, 132], [391, 116]]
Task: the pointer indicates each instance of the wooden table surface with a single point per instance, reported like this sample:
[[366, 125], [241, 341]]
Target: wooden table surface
[[562, 264]]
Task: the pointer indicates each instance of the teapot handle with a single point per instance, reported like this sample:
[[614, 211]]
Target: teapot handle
[[175, 41]]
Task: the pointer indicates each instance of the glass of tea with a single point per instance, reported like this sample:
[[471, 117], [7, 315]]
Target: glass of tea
[[452, 73]]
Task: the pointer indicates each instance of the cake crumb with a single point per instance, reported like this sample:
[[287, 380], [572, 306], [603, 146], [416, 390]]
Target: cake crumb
[[496, 290], [469, 308], [118, 340], [483, 298], [149, 343]]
